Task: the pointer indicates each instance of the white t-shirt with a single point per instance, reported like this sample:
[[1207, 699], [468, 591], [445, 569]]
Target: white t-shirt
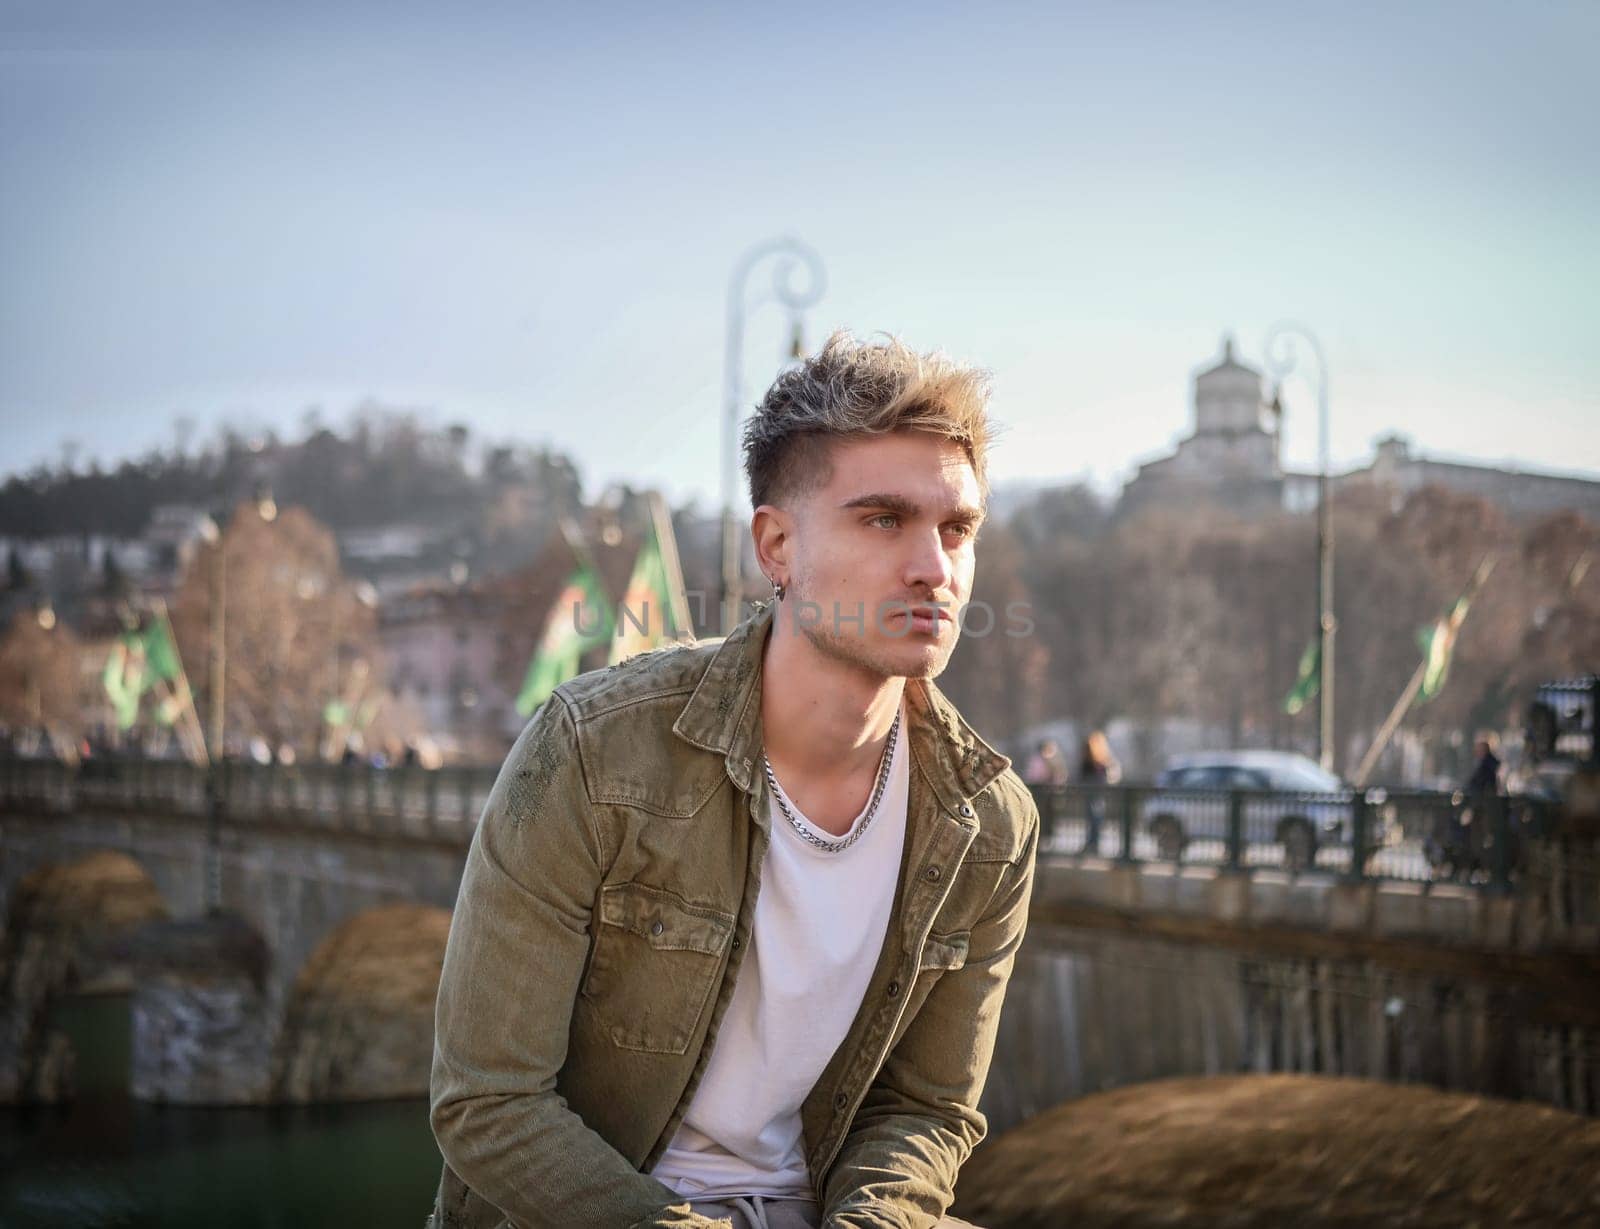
[[820, 921]]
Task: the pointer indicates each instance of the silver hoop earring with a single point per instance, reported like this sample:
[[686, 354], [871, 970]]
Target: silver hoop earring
[[779, 590]]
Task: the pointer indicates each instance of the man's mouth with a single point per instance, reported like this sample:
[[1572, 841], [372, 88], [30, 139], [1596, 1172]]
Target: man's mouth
[[928, 620]]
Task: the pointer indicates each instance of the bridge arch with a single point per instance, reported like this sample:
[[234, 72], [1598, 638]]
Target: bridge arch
[[63, 925], [358, 1024]]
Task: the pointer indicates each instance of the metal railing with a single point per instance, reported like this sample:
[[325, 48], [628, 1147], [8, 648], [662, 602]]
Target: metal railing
[[1360, 835], [1376, 834], [422, 804]]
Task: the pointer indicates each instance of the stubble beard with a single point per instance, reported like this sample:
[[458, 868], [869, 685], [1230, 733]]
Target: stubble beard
[[856, 651]]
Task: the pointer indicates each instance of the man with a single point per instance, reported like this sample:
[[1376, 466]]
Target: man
[[736, 924], [1484, 782]]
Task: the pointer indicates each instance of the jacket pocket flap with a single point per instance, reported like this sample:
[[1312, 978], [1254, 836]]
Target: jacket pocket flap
[[663, 920], [945, 951]]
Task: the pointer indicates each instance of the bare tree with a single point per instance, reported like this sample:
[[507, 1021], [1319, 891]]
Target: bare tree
[[1195, 613], [293, 626], [42, 676], [998, 675]]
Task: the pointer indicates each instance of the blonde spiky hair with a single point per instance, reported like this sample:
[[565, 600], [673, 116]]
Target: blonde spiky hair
[[850, 389]]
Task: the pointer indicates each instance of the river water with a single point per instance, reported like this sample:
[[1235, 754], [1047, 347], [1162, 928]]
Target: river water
[[106, 1160]]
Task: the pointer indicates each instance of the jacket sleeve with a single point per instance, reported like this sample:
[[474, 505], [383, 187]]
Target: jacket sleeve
[[517, 946], [920, 1121]]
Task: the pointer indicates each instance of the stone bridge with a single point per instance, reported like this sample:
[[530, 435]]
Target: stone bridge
[[280, 931], [315, 978]]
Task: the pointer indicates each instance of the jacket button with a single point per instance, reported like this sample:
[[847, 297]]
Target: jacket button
[[966, 810], [894, 989], [736, 943], [840, 1101], [932, 874], [656, 928]]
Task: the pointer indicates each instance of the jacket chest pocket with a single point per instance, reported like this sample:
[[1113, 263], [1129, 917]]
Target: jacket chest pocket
[[655, 963], [940, 954], [943, 953]]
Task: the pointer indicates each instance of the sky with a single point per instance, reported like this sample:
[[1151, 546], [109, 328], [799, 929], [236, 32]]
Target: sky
[[526, 217]]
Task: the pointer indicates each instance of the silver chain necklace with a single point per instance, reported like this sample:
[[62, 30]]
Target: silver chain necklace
[[822, 843]]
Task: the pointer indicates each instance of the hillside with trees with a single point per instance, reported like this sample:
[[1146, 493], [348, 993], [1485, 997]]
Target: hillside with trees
[[388, 466]]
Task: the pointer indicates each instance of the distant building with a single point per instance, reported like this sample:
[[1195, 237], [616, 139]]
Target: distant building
[[444, 646], [1519, 491], [174, 534], [398, 558], [72, 555], [1231, 461], [1231, 458], [457, 650]]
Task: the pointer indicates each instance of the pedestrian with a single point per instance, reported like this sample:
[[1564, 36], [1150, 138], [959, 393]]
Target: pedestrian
[[1482, 801], [1097, 767], [1456, 846], [1045, 772], [687, 983], [1047, 765], [1485, 777]]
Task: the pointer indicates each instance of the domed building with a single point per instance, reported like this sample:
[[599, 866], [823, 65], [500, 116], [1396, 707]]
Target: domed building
[[1232, 462], [1231, 459]]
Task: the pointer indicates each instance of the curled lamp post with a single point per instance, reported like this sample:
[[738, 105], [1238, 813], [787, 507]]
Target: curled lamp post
[[1282, 357], [216, 671], [213, 533], [216, 659], [787, 256]]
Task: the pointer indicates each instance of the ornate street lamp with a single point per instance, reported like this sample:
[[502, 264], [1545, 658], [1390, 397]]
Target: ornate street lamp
[[216, 648], [1282, 356], [787, 256]]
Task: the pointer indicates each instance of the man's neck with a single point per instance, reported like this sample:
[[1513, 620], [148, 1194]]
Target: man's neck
[[824, 722]]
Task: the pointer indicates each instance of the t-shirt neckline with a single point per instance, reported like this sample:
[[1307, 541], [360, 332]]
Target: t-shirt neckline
[[821, 834]]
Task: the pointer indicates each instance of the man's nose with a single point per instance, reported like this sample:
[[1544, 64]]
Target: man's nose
[[929, 564]]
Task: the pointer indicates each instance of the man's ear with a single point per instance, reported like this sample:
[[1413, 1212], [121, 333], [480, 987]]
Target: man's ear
[[771, 529]]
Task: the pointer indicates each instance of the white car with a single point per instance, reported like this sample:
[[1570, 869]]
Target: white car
[[1287, 800]]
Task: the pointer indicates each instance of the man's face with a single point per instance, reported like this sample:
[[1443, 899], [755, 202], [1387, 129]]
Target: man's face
[[881, 558]]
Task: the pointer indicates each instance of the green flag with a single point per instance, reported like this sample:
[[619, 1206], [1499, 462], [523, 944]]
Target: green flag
[[645, 620], [579, 620], [123, 679], [138, 660], [1308, 679], [160, 651], [1438, 643]]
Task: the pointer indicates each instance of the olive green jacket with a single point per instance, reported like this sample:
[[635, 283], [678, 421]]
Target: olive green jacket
[[606, 904]]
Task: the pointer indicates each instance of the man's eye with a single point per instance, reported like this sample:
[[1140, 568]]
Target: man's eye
[[886, 520], [960, 528]]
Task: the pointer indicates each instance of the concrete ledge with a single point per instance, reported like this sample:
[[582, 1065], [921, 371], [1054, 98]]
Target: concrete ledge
[[1264, 896], [1194, 888], [1230, 896], [1174, 889], [1350, 907], [1497, 922], [1278, 896], [1092, 880], [1400, 909], [1450, 911], [1530, 922], [1126, 885]]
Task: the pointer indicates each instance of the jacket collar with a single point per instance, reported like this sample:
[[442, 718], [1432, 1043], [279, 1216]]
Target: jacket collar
[[724, 716]]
